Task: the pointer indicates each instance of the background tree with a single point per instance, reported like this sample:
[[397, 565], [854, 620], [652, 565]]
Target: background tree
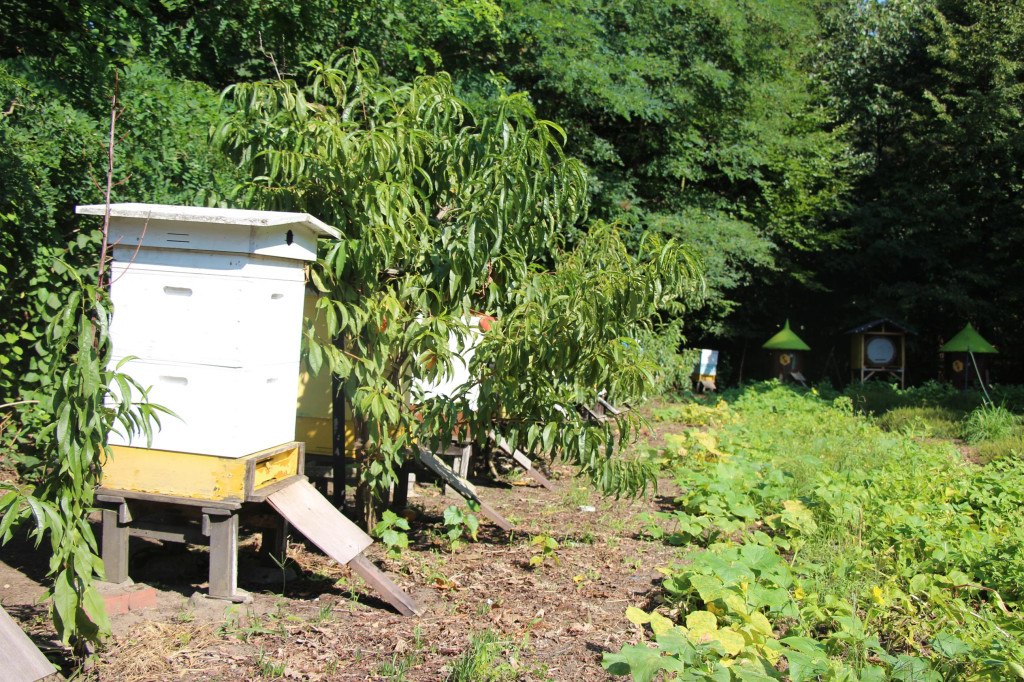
[[934, 92], [710, 128]]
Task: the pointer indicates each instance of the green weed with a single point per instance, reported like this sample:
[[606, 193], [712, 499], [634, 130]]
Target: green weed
[[545, 548], [850, 551], [458, 524], [392, 531], [324, 613], [488, 658], [269, 668], [989, 423], [934, 422], [993, 450]]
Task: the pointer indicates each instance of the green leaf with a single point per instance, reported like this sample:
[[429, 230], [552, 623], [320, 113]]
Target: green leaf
[[676, 642], [315, 357], [804, 666], [730, 639], [65, 603], [452, 515], [637, 616], [949, 645], [96, 609], [640, 662], [701, 623], [472, 524], [913, 669]]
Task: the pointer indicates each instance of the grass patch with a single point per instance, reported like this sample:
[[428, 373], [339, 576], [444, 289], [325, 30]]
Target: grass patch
[[931, 422], [990, 423], [488, 658], [1010, 447]]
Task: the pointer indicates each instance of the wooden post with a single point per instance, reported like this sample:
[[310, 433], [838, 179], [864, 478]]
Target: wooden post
[[462, 487], [460, 465], [114, 548], [338, 435], [275, 539], [401, 496], [339, 538], [223, 529], [496, 518]]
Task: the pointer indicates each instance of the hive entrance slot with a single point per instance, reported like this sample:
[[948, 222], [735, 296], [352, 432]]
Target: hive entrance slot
[[178, 237], [177, 291]]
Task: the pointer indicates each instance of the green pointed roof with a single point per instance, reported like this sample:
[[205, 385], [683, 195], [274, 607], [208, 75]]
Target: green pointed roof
[[786, 340], [967, 339]]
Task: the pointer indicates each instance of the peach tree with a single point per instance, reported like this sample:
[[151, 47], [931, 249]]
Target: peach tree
[[447, 211]]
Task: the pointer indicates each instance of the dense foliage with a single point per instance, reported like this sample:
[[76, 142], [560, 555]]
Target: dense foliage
[[933, 92], [709, 128], [858, 159], [541, 161], [815, 549], [446, 212], [55, 495]]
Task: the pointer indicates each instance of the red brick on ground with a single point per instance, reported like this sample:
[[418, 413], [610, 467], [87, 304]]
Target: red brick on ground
[[130, 598]]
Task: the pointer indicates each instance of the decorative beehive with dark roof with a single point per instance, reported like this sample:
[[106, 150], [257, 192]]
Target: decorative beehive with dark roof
[[787, 355], [879, 349]]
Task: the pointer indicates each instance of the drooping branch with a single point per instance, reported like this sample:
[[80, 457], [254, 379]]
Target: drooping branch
[[114, 115]]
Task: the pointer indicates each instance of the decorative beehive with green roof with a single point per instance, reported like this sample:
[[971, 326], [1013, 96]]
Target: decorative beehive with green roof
[[787, 355], [967, 357]]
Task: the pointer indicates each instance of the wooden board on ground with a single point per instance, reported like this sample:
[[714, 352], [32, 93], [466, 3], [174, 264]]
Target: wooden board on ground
[[608, 406], [446, 474], [522, 460], [384, 586], [330, 530], [462, 487], [319, 521], [23, 662]]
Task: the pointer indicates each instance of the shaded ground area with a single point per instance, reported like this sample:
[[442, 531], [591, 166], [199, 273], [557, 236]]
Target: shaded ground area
[[489, 614]]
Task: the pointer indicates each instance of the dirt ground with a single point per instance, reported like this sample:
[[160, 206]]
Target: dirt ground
[[489, 614]]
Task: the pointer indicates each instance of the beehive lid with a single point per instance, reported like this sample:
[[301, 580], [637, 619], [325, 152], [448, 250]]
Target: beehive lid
[[786, 340], [221, 216], [883, 324], [968, 340]]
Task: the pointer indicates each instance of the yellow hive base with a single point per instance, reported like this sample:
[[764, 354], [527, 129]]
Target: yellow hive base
[[200, 477]]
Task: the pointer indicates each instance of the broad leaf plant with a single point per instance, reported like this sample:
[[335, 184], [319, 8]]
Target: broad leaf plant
[[88, 399]]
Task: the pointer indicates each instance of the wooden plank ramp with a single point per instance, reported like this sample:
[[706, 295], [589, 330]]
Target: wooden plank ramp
[[330, 530], [22, 661], [463, 488], [522, 460]]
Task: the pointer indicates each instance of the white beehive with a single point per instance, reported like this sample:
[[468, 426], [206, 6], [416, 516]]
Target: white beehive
[[447, 382], [209, 300]]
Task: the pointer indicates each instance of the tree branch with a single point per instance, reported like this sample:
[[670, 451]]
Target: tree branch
[[110, 185]]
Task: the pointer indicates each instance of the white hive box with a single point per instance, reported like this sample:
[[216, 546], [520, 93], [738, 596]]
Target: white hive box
[[445, 384], [209, 301]]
